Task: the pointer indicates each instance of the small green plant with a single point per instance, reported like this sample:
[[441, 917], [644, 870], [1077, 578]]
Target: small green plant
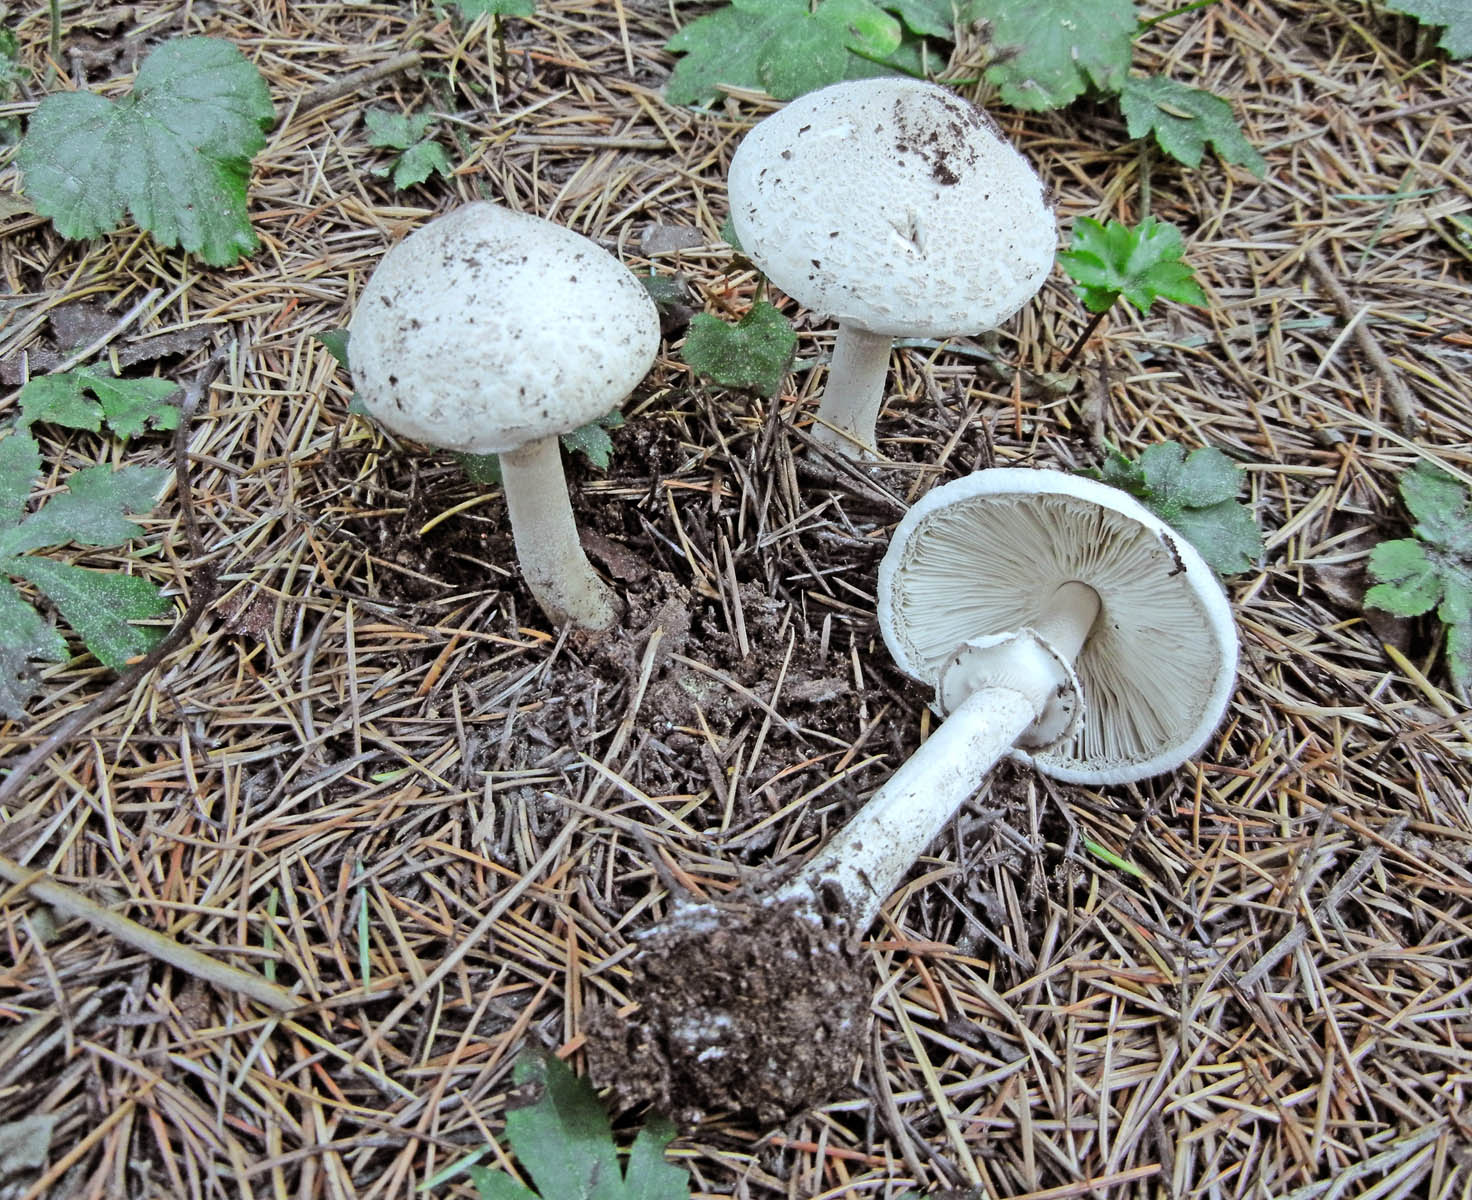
[[470, 9], [175, 152], [419, 155], [1195, 494], [1140, 263], [1433, 567], [753, 355], [1184, 120], [1455, 17], [565, 1143], [101, 606], [1047, 53]]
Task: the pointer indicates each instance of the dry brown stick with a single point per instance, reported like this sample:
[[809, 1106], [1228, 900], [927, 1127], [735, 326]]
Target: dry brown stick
[[349, 84], [72, 903], [1404, 405]]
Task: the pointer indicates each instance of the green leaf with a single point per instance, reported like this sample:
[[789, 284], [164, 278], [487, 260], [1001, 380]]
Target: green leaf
[[390, 128], [1047, 52], [470, 9], [592, 440], [1434, 567], [497, 1185], [419, 162], [20, 467], [1410, 582], [24, 637], [1184, 120], [99, 605], [779, 46], [1141, 264], [1194, 494], [484, 470], [929, 18], [566, 1144], [90, 512], [175, 152], [128, 406], [1454, 15], [752, 355], [336, 341]]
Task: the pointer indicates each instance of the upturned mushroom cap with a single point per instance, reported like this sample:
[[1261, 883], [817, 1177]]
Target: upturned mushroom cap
[[893, 205], [982, 555], [487, 329]]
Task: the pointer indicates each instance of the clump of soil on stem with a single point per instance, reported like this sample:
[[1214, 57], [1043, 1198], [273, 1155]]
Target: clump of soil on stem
[[754, 1007]]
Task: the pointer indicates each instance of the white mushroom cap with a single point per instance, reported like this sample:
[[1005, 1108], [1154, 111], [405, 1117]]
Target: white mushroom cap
[[983, 554], [487, 329], [893, 205]]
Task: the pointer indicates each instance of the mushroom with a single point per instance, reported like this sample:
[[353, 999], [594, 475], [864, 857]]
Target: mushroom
[[1060, 622], [895, 206], [490, 331], [1017, 594]]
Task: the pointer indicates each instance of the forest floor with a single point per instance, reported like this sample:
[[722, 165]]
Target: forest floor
[[374, 771]]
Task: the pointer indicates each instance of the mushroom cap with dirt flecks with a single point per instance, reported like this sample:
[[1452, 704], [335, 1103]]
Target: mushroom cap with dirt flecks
[[983, 554], [893, 205], [487, 329]]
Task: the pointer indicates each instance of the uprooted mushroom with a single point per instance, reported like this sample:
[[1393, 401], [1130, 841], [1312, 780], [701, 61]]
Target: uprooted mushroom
[[1060, 622]]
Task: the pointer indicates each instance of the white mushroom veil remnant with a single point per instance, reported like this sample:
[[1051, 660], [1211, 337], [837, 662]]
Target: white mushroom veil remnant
[[490, 331], [896, 207]]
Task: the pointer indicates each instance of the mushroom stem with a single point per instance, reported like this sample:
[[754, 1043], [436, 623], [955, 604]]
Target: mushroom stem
[[552, 559], [849, 408], [870, 855]]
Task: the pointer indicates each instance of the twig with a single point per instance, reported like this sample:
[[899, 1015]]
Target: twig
[[72, 903], [349, 84], [1404, 405]]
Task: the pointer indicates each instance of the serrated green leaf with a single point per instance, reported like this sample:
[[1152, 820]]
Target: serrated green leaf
[[929, 18], [1459, 653], [20, 467], [419, 162], [1142, 264], [1441, 506], [1194, 494], [497, 1185], [90, 512], [1224, 534], [1455, 16], [128, 406], [1410, 584], [24, 637], [649, 1176], [175, 152], [752, 355], [1048, 52], [1184, 120], [470, 9], [564, 1140], [484, 470], [592, 440], [394, 130], [779, 46], [99, 605]]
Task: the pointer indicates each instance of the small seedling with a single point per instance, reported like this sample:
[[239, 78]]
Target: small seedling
[[753, 355], [1196, 494], [419, 155], [11, 75], [565, 1143], [1455, 16], [175, 152], [1141, 264], [1433, 567], [100, 605]]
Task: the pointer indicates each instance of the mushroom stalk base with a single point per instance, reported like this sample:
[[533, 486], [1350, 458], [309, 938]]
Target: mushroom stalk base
[[552, 559], [867, 859], [854, 393]]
